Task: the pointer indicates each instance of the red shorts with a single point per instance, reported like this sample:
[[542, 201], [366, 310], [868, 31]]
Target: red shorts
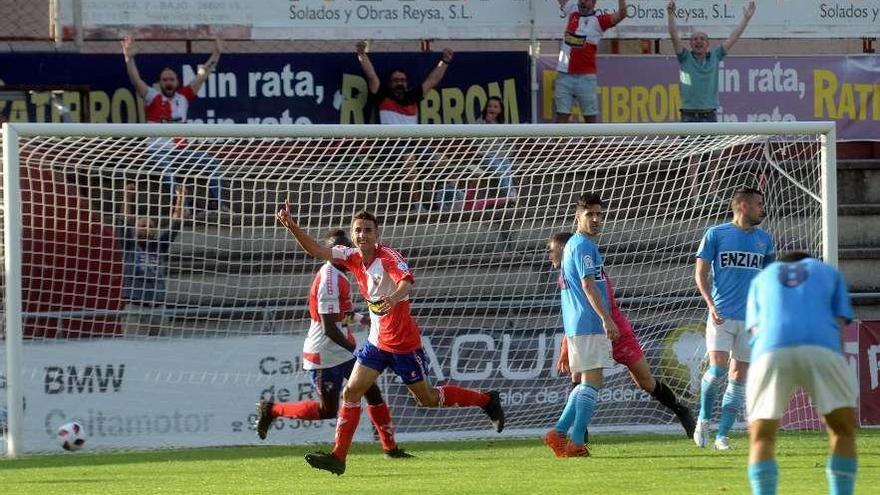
[[626, 349]]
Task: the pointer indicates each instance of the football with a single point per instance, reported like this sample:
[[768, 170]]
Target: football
[[71, 436]]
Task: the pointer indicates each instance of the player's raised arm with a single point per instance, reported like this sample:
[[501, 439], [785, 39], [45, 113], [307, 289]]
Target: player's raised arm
[[373, 82], [595, 300], [620, 13], [308, 244], [437, 74], [208, 67], [748, 12], [673, 28], [129, 50]]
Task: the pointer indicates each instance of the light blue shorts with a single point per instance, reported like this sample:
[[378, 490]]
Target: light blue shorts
[[582, 87]]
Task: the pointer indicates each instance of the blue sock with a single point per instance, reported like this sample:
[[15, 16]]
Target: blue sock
[[585, 402], [732, 402], [709, 389], [841, 473], [566, 419], [764, 477]]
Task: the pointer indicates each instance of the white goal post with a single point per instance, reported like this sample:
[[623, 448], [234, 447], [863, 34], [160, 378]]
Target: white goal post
[[469, 206]]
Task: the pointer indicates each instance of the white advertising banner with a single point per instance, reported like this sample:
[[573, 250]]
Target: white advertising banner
[[149, 394], [459, 19]]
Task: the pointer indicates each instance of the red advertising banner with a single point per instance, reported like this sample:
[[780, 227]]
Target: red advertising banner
[[869, 373]]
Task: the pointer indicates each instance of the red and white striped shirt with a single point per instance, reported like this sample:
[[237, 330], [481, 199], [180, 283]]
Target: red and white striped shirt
[[330, 295], [577, 50], [161, 109], [395, 331]]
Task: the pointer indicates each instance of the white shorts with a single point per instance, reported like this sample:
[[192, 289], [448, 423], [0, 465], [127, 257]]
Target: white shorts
[[731, 336], [588, 352], [821, 372]]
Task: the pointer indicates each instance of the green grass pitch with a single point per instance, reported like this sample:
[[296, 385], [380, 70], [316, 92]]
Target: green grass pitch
[[643, 464]]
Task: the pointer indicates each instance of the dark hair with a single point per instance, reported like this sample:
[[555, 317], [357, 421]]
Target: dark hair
[[337, 237], [560, 238], [744, 193], [587, 200], [365, 215], [793, 256], [500, 103], [167, 67], [392, 71]]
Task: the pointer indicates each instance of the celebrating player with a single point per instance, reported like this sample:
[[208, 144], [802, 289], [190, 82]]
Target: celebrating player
[[327, 355], [734, 252], [589, 329], [626, 350], [797, 310], [384, 279], [576, 70]]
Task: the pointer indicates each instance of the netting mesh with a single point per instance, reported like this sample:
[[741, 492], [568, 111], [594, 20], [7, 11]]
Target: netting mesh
[[169, 341]]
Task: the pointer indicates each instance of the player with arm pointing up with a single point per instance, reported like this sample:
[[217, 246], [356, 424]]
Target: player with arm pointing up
[[734, 253], [384, 279]]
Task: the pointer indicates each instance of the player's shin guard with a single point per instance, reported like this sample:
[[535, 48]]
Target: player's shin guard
[[566, 419], [298, 410], [453, 396], [764, 477], [712, 379], [380, 416], [841, 473], [346, 425], [731, 404], [585, 405]]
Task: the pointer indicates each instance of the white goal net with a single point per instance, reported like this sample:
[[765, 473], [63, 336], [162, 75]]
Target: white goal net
[[171, 345]]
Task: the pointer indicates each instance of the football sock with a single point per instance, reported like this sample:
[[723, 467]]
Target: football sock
[[587, 430], [666, 396], [346, 425], [585, 404], [380, 416], [566, 419], [764, 477], [732, 402], [452, 396], [841, 473], [299, 410], [712, 378]]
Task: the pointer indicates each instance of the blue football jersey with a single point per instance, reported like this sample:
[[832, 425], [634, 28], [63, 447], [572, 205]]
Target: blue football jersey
[[736, 256], [581, 259], [793, 304]]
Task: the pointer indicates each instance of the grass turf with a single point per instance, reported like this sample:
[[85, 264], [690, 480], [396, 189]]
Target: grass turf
[[643, 464]]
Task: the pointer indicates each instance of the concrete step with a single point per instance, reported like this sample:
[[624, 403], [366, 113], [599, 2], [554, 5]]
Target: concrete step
[[858, 182]]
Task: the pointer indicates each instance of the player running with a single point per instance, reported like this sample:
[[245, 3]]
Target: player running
[[734, 252], [626, 350], [384, 279], [327, 355], [797, 311]]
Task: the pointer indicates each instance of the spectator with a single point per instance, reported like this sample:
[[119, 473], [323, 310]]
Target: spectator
[[145, 250], [170, 104], [576, 70]]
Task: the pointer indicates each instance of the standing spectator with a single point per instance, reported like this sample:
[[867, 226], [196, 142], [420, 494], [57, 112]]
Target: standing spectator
[[170, 104], [698, 74], [576, 70], [395, 102], [797, 311], [145, 250]]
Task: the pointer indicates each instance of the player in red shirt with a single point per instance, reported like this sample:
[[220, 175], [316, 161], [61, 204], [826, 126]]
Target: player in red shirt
[[576, 69], [626, 350], [327, 355], [170, 104], [384, 279]]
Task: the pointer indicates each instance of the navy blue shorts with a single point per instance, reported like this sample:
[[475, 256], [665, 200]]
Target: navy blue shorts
[[411, 367], [329, 380]]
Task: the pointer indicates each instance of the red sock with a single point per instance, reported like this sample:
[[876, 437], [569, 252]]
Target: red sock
[[298, 410], [346, 424], [452, 396], [380, 415]]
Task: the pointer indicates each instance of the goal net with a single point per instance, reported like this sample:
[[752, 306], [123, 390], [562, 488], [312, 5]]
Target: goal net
[[151, 296]]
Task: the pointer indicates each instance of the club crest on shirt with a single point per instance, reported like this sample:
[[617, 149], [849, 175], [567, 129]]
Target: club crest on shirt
[[402, 266], [588, 261], [792, 275]]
